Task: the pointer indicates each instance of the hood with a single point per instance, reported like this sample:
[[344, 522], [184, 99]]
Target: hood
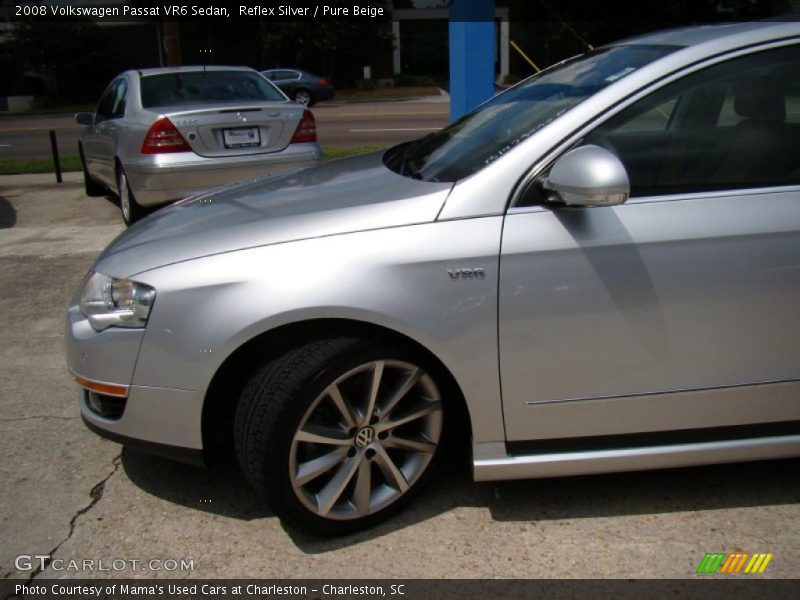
[[341, 196]]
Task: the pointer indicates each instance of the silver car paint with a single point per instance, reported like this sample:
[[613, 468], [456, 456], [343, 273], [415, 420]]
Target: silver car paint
[[386, 263], [159, 178], [651, 296], [334, 198]]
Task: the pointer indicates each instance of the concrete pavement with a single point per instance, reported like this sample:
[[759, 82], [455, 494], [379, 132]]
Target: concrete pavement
[[73, 495]]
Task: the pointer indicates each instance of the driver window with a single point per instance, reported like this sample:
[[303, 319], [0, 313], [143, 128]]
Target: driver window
[[118, 105], [104, 108], [112, 103], [734, 125]]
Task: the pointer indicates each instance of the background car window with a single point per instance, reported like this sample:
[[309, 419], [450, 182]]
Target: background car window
[[112, 102], [285, 75], [734, 125], [206, 87], [120, 94]]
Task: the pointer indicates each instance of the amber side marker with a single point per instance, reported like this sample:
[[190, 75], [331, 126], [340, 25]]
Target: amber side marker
[[109, 389]]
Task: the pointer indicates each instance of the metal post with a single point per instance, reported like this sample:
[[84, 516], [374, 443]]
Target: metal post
[[471, 54], [56, 159], [396, 64], [504, 41]]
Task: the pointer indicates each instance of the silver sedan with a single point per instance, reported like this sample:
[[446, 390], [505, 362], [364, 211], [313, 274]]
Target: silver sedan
[[160, 135], [596, 270]]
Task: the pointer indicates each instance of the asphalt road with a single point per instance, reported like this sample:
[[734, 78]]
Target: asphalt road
[[338, 124], [72, 495]]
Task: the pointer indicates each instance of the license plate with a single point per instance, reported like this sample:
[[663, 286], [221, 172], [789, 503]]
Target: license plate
[[241, 137]]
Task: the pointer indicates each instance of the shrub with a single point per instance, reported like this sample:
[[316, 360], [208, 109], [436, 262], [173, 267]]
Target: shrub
[[511, 79], [367, 84], [404, 80]]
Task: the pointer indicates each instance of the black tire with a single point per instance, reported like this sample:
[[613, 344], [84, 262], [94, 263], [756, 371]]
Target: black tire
[[300, 96], [273, 406], [92, 188], [131, 210]]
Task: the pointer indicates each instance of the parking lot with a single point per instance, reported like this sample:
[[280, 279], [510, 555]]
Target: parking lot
[[73, 496]]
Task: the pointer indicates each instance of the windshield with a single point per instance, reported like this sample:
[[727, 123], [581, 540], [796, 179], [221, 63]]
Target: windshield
[[206, 87], [482, 136]]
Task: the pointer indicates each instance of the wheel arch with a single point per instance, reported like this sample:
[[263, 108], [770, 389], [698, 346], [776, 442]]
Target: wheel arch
[[222, 394]]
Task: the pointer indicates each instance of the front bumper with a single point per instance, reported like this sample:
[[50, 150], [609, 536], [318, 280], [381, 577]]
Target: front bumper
[[159, 420], [162, 178]]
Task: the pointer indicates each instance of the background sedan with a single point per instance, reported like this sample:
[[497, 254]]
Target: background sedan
[[159, 135], [301, 86]]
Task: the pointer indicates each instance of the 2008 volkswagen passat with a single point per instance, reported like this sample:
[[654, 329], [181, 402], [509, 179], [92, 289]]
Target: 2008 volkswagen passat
[[596, 270]]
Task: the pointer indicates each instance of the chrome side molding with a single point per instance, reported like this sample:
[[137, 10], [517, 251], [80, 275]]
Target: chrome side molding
[[589, 462]]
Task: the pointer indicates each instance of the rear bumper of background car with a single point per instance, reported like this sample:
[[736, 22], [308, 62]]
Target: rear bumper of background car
[[174, 176]]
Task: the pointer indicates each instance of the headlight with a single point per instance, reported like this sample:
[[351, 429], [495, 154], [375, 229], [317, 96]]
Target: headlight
[[109, 302]]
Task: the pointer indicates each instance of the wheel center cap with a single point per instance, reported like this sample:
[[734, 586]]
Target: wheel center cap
[[364, 437]]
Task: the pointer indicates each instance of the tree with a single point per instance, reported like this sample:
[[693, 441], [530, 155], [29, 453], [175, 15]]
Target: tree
[[330, 48], [74, 57]]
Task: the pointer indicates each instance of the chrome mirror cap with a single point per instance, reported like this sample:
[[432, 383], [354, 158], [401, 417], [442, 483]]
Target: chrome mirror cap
[[589, 176]]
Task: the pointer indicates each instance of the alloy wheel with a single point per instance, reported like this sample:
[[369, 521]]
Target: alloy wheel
[[124, 198], [366, 439], [302, 97]]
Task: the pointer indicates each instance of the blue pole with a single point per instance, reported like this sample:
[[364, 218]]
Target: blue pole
[[471, 54]]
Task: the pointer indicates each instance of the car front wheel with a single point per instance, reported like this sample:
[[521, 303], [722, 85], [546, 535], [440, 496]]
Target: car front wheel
[[91, 187], [339, 434]]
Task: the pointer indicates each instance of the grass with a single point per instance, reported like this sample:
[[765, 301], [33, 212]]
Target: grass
[[391, 93], [14, 166], [72, 162], [331, 153]]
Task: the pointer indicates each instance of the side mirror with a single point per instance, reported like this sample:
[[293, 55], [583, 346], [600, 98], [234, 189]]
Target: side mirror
[[84, 118], [589, 176]]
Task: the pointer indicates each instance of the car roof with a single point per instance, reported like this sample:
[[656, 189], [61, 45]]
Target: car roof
[[733, 33], [286, 69], [190, 69]]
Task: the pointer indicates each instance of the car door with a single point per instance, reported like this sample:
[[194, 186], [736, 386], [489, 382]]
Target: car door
[[93, 140], [678, 310], [108, 129]]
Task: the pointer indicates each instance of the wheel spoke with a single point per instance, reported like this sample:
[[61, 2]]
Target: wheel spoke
[[310, 470], [423, 446], [396, 407], [342, 405], [428, 409], [399, 393], [318, 434], [330, 494], [377, 373], [363, 490], [393, 475]]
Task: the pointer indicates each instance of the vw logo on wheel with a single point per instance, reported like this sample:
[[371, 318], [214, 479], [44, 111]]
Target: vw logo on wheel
[[364, 437]]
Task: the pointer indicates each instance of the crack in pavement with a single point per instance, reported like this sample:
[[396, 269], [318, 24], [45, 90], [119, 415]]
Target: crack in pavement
[[12, 419], [96, 494]]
